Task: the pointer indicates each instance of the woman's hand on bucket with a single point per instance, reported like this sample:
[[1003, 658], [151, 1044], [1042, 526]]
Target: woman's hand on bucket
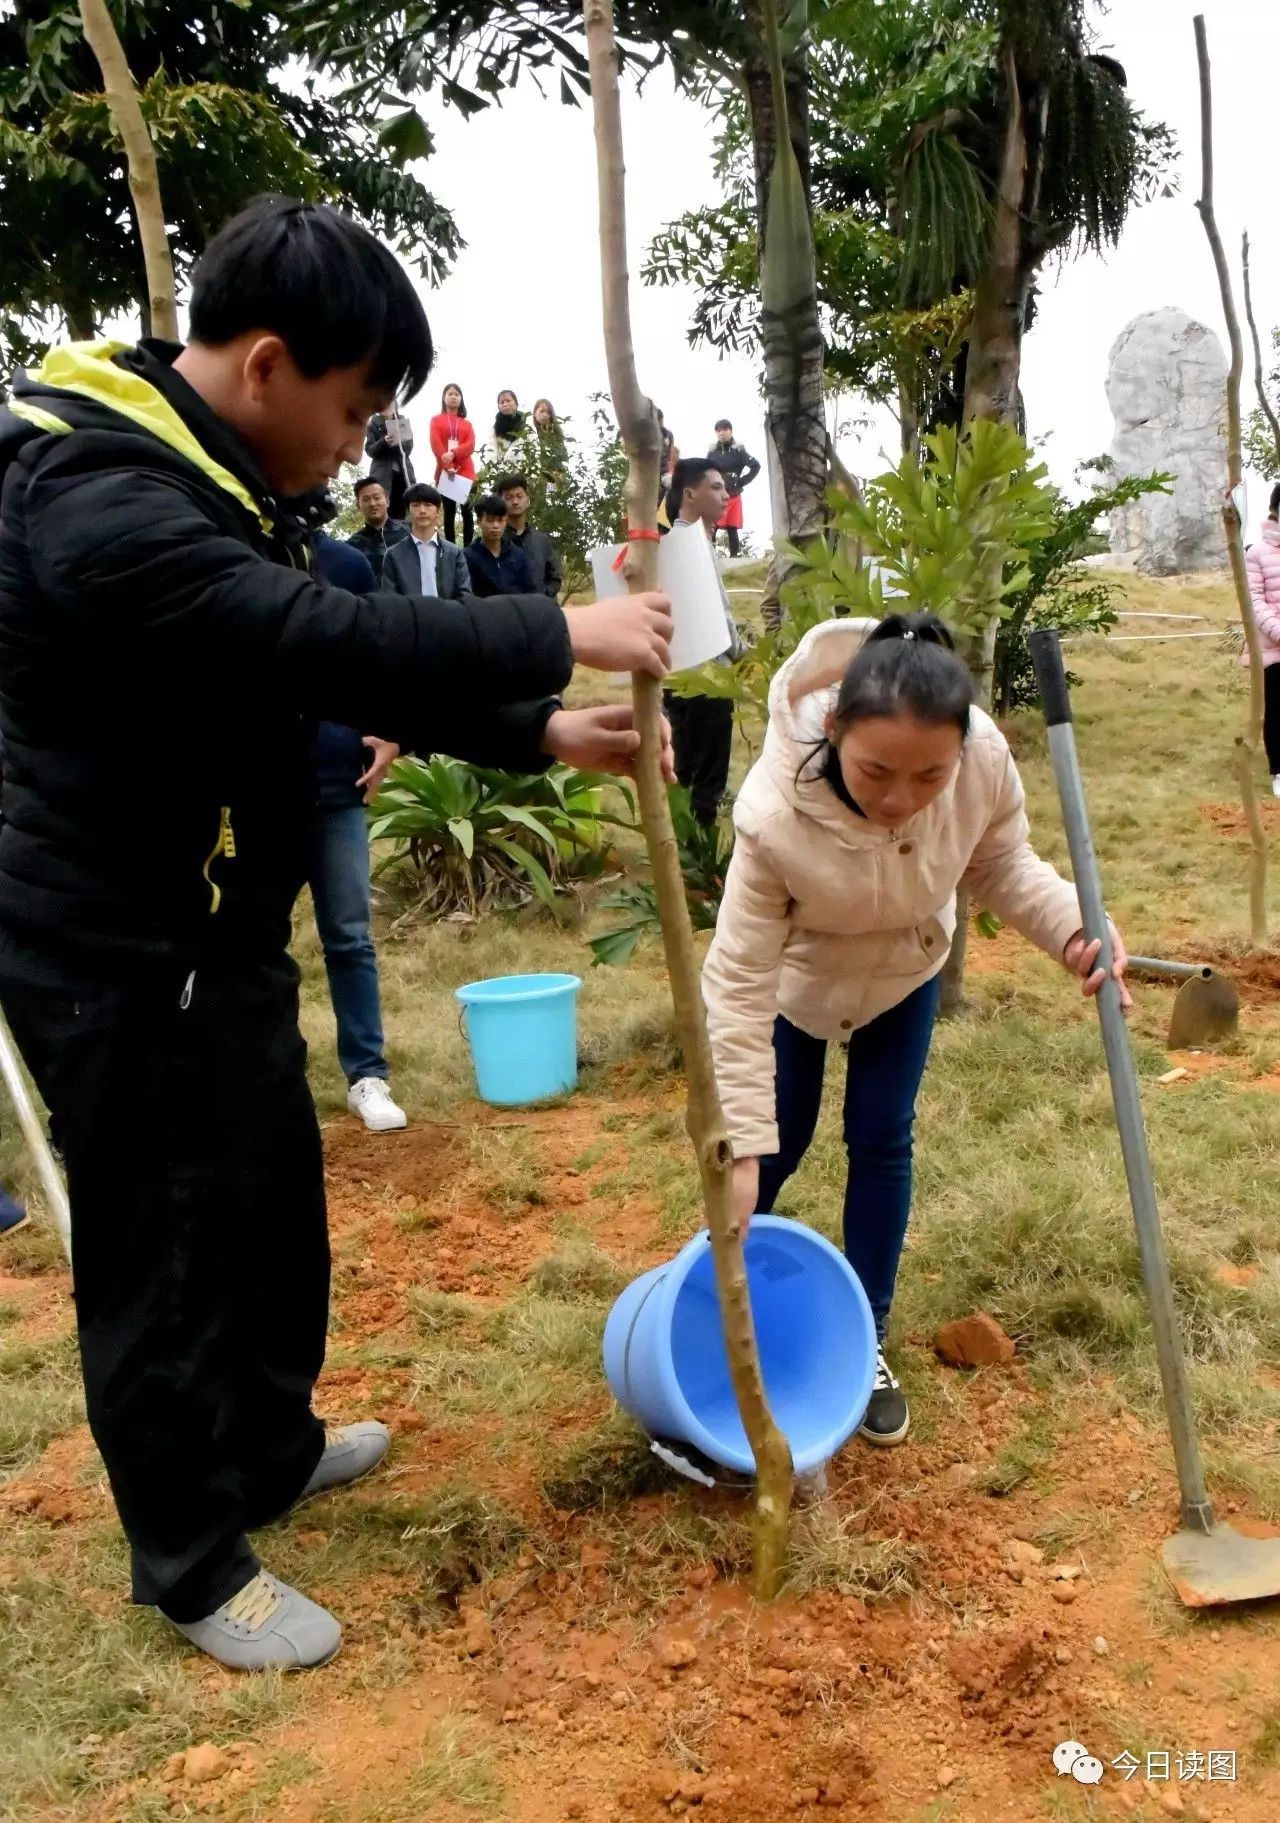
[[1081, 959], [628, 633], [746, 1191]]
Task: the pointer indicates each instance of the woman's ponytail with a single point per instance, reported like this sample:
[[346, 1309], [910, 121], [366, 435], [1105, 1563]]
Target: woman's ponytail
[[907, 665]]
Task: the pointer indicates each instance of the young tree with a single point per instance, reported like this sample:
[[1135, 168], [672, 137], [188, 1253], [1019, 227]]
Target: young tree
[[639, 424]]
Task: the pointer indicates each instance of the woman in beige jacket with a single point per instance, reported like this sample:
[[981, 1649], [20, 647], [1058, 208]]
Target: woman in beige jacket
[[881, 791]]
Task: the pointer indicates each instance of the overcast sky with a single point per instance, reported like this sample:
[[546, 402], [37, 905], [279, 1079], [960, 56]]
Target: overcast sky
[[522, 306]]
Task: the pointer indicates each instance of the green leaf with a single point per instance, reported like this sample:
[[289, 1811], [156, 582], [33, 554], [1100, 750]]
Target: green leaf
[[407, 136], [530, 866], [463, 832]]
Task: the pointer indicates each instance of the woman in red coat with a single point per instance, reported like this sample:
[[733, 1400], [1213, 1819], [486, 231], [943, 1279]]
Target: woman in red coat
[[453, 440]]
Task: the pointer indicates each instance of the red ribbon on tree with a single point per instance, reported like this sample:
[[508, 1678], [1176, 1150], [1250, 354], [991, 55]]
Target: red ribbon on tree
[[634, 532]]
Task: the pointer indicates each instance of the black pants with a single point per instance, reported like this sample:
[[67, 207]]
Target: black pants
[[1271, 718], [702, 734], [200, 1252], [451, 521], [735, 539]]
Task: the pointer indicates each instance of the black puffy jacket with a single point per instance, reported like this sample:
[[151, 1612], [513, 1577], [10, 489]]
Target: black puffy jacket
[[165, 655]]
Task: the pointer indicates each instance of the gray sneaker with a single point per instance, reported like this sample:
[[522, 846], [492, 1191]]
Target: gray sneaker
[[350, 1452], [266, 1624]]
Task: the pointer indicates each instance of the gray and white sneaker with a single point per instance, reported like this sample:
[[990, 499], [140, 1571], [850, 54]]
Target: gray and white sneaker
[[350, 1453], [888, 1417], [267, 1624]]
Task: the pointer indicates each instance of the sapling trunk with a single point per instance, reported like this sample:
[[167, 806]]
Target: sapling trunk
[[638, 423], [1249, 743], [140, 159]]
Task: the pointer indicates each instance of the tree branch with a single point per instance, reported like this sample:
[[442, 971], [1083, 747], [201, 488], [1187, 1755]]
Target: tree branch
[[1259, 377], [140, 159], [1249, 743]]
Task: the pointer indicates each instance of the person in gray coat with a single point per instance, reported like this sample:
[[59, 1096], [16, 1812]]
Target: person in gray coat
[[388, 443], [425, 563]]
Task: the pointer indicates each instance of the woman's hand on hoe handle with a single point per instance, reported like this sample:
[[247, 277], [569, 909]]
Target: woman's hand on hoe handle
[[1081, 959]]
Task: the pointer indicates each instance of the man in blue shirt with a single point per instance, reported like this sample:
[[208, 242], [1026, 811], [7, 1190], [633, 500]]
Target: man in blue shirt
[[497, 566]]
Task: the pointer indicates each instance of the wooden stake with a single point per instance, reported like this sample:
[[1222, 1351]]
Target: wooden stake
[[140, 158], [638, 423], [1259, 378], [1248, 744]]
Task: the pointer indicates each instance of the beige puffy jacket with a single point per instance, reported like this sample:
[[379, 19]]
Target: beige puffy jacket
[[831, 920]]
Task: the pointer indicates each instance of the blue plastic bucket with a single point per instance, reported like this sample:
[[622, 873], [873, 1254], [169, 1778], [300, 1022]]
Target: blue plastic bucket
[[665, 1358], [523, 1032]]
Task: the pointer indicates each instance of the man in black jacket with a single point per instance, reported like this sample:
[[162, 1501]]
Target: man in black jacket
[[151, 587], [380, 531], [544, 560]]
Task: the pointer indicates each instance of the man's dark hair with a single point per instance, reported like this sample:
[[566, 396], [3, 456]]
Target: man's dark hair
[[367, 481], [724, 424], [688, 472], [327, 287], [491, 506], [423, 490], [505, 482]]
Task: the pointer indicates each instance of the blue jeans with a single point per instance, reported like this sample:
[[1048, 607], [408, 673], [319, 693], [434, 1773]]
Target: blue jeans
[[886, 1062], [339, 881]]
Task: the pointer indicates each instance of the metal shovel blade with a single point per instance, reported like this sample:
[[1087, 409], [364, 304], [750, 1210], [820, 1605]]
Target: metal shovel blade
[[1206, 1007], [1210, 1569], [1205, 1010]]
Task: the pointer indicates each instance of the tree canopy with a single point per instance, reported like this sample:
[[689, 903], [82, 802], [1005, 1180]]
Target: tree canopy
[[232, 112]]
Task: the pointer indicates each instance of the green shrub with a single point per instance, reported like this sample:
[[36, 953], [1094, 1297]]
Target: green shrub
[[475, 838]]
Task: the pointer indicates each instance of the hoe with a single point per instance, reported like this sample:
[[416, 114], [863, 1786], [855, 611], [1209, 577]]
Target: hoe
[[1208, 1563]]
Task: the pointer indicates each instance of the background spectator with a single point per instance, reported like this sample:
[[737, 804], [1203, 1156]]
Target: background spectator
[[739, 470], [425, 563], [379, 531], [702, 726], [453, 442], [510, 424], [349, 769], [551, 443], [388, 441], [544, 561], [497, 566]]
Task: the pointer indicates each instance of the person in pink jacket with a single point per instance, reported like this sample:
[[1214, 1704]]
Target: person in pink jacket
[[880, 791], [1263, 566]]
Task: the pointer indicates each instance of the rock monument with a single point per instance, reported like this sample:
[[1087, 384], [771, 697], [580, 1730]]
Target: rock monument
[[1166, 384]]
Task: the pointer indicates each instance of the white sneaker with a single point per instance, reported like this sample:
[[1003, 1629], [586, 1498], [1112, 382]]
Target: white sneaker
[[1275, 784], [370, 1098]]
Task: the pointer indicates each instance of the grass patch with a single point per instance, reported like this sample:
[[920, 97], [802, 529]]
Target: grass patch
[[830, 1550], [95, 1691], [40, 1398], [579, 1269], [607, 1468]]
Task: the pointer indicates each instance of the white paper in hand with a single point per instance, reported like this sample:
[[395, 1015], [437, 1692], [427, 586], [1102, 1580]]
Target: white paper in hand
[[687, 574], [454, 487]]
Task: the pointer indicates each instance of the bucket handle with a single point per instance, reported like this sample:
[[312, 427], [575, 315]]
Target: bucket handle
[[462, 1024]]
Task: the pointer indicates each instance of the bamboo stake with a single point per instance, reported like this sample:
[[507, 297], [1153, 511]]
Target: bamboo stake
[[1248, 744], [1259, 377], [638, 423], [140, 159]]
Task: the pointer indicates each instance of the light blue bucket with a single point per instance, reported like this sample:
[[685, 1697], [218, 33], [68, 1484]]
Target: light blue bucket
[[665, 1358], [523, 1033]]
